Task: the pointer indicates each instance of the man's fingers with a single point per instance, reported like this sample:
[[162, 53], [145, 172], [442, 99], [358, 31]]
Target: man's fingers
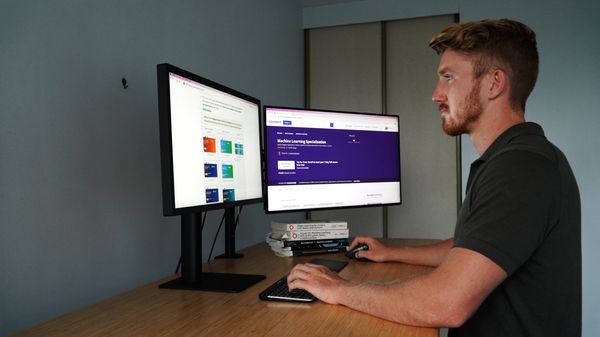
[[357, 240], [305, 272]]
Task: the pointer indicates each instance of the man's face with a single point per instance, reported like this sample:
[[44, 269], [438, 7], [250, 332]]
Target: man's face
[[457, 93]]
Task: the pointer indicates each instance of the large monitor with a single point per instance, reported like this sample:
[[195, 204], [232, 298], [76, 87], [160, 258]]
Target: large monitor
[[321, 159], [210, 159]]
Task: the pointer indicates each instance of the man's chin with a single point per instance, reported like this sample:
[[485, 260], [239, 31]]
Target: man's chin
[[450, 130]]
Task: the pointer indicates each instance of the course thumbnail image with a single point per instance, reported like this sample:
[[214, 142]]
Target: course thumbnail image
[[228, 194], [227, 171], [210, 170], [212, 195], [239, 149], [226, 146], [210, 145]]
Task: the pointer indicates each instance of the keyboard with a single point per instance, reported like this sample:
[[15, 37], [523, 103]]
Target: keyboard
[[279, 291]]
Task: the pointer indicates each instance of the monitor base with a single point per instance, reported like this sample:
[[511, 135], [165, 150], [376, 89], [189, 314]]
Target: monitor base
[[229, 256], [218, 282]]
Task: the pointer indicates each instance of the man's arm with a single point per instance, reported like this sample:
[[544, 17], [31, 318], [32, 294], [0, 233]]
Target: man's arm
[[445, 297], [429, 255]]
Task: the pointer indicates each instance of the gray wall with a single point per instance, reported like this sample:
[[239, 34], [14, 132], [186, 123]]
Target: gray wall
[[565, 100], [337, 57], [80, 198]]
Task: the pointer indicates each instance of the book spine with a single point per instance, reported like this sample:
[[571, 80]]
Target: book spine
[[313, 246], [308, 226], [320, 245], [309, 252], [304, 243], [311, 235]]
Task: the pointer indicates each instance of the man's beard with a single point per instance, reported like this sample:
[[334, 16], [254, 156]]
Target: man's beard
[[464, 117]]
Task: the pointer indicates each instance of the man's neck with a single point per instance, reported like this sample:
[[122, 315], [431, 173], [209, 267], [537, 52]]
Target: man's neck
[[491, 125]]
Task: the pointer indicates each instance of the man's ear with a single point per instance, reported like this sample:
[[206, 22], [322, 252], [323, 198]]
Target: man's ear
[[498, 83]]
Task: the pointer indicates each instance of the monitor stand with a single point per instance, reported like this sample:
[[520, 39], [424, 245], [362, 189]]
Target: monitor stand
[[192, 277]]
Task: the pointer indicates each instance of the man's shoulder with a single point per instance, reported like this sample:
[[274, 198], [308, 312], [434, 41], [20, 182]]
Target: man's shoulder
[[523, 157], [524, 167], [527, 146]]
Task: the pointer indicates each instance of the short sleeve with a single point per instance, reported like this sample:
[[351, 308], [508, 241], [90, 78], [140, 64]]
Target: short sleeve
[[511, 207]]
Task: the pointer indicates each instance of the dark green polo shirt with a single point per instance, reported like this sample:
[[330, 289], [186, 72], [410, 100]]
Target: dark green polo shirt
[[522, 211]]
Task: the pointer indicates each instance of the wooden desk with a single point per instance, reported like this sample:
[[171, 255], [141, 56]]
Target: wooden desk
[[150, 311]]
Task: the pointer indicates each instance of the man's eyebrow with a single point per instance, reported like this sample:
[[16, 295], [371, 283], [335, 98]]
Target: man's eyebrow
[[443, 70]]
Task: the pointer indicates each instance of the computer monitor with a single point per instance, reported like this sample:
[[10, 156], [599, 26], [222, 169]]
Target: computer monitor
[[210, 159], [322, 159]]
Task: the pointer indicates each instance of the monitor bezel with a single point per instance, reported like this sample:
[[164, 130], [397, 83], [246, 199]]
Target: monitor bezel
[[266, 158], [166, 141]]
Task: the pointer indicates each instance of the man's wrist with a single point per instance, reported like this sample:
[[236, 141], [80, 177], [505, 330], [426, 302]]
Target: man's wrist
[[343, 292]]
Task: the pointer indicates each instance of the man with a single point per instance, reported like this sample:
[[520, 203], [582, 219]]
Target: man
[[513, 267]]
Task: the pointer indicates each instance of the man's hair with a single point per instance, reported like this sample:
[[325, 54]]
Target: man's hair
[[502, 44]]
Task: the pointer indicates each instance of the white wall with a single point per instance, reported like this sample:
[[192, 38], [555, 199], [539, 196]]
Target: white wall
[[565, 101], [80, 199]]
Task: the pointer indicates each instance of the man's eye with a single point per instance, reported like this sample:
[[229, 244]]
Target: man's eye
[[448, 77]]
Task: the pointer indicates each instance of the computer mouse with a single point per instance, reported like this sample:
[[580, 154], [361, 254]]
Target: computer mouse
[[352, 253]]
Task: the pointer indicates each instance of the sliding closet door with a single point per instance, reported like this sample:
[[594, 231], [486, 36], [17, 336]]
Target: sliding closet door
[[387, 67], [344, 73], [429, 156]]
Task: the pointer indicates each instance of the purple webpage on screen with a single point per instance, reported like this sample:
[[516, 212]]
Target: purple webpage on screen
[[329, 156]]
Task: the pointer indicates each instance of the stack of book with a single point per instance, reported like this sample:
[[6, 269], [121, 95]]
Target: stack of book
[[308, 237]]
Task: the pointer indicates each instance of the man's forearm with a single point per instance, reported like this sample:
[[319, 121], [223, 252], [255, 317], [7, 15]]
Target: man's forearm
[[429, 255], [403, 302], [445, 297]]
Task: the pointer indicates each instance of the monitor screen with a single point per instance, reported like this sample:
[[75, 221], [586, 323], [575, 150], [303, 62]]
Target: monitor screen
[[210, 143], [318, 159], [211, 159]]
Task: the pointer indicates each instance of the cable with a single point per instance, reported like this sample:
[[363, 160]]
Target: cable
[[216, 235], [237, 219], [203, 220], [178, 264]]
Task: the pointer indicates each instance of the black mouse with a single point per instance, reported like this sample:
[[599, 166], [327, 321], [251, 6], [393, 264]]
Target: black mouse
[[352, 253]]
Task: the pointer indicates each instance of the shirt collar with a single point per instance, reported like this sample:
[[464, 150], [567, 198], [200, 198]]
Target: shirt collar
[[527, 128]]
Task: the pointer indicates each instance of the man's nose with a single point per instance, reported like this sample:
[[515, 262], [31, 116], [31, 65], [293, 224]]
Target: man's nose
[[437, 96]]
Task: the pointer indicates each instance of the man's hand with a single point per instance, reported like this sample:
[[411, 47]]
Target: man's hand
[[377, 252], [318, 280]]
